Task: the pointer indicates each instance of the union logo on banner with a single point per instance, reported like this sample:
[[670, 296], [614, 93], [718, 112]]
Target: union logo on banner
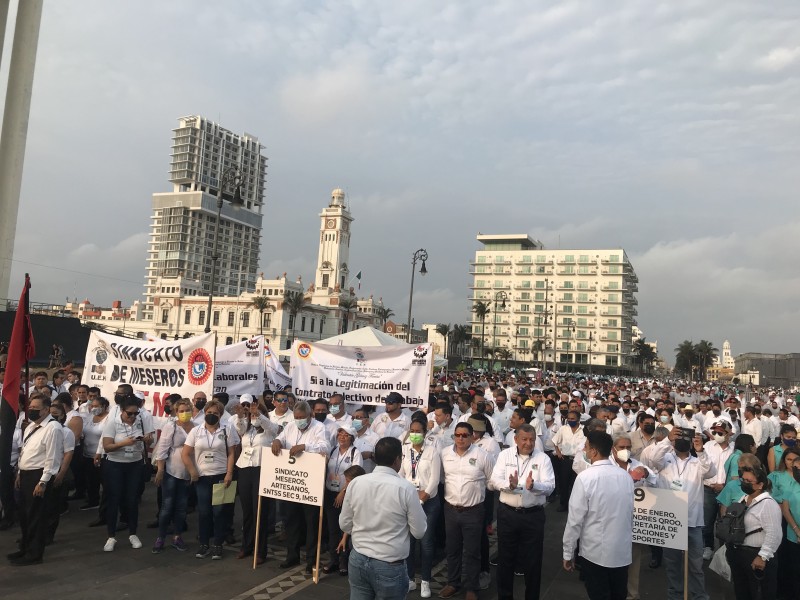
[[303, 350], [199, 366]]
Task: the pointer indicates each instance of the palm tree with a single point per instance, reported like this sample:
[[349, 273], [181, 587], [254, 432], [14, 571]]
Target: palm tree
[[443, 329], [293, 302], [505, 354], [538, 347], [347, 304], [481, 310], [260, 303], [384, 314], [706, 353], [645, 354], [685, 357], [459, 336]]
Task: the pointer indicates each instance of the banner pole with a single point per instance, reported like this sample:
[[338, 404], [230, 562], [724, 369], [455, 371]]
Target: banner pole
[[319, 544], [686, 574], [258, 530]]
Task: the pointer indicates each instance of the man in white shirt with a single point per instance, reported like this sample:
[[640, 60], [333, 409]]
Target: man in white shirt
[[752, 425], [601, 510], [503, 412], [445, 426], [466, 469], [719, 450], [365, 439], [524, 477], [337, 416], [392, 423], [567, 442], [379, 512]]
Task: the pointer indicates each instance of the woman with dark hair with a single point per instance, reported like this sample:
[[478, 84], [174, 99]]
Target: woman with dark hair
[[786, 491], [754, 570], [788, 439], [93, 423], [744, 450]]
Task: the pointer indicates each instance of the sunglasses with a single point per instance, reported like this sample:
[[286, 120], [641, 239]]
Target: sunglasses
[[131, 414], [461, 435], [283, 401]]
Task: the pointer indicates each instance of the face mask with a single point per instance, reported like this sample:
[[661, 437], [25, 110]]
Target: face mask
[[167, 410], [335, 408], [416, 438], [184, 417], [627, 411], [548, 417], [790, 442], [200, 404], [320, 417], [33, 414], [624, 455], [572, 423], [97, 411], [564, 413], [301, 423], [212, 419], [732, 413], [682, 445], [688, 414], [747, 487], [717, 412], [358, 425], [719, 438], [664, 418], [796, 473], [586, 458]]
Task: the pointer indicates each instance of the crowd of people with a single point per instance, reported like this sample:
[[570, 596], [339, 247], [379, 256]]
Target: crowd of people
[[486, 452]]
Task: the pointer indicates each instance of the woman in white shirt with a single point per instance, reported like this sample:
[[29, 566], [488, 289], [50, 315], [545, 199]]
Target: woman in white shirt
[[753, 572], [172, 475], [123, 441], [422, 466], [341, 458], [93, 423], [257, 432], [208, 454]]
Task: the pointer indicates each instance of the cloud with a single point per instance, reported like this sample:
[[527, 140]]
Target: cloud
[[779, 58]]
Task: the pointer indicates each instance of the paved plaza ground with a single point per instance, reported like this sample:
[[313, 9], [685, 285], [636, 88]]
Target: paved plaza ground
[[76, 568]]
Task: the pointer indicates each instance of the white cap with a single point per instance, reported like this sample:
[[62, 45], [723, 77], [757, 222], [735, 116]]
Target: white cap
[[246, 398]]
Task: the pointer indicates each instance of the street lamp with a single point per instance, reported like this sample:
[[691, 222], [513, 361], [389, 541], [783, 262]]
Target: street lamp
[[422, 255], [231, 175], [591, 341], [571, 327], [500, 297]]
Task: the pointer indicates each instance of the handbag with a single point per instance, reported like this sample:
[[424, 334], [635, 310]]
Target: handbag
[[719, 564]]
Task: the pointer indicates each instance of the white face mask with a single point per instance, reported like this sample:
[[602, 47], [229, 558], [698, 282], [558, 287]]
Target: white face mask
[[718, 437], [548, 417], [623, 455]]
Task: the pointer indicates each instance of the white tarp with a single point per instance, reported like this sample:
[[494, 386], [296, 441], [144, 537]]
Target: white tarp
[[276, 375], [239, 368]]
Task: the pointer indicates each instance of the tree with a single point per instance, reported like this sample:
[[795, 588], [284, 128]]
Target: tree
[[481, 310], [384, 314], [347, 304], [685, 357], [260, 303], [705, 353], [443, 329], [505, 354], [645, 354], [538, 347], [459, 337], [293, 302]]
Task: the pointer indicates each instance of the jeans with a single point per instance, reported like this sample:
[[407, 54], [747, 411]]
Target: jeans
[[427, 544], [121, 484], [212, 519], [710, 512], [174, 493], [372, 579], [673, 563], [463, 529]]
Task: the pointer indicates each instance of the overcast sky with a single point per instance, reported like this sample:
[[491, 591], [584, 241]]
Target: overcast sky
[[671, 129]]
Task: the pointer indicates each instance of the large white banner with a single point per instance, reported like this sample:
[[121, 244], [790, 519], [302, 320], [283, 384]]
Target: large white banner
[[156, 368], [276, 375], [364, 375], [239, 369], [661, 518]]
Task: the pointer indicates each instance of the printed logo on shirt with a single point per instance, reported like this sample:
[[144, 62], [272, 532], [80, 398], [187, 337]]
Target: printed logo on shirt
[[473, 461]]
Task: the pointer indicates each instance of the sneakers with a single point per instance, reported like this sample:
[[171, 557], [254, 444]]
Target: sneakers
[[158, 546], [178, 544], [216, 552], [708, 553], [484, 579], [110, 543], [424, 589], [136, 543], [411, 585], [203, 551]]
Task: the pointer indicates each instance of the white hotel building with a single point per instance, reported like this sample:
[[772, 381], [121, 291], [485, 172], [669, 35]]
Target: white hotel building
[[574, 307]]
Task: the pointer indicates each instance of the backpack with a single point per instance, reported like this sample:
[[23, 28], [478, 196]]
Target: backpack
[[729, 528]]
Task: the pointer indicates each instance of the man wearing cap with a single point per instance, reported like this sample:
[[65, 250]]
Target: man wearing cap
[[524, 477], [392, 423], [718, 450]]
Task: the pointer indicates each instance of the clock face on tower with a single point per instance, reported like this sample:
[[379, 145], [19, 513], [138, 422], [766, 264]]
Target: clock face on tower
[[330, 224]]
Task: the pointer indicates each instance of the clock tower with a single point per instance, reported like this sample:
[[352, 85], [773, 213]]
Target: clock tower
[[334, 246]]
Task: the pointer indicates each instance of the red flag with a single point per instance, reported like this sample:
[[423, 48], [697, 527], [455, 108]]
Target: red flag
[[20, 350]]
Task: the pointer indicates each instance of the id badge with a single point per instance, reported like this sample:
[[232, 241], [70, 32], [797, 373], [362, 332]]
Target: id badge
[[128, 449], [676, 485], [248, 453], [208, 457], [334, 484]]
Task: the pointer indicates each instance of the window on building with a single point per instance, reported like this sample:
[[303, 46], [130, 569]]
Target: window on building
[[231, 318], [325, 280], [611, 361], [201, 317], [228, 341], [187, 317], [312, 324], [266, 319], [164, 316], [245, 319], [567, 297], [215, 319], [291, 321], [302, 324]]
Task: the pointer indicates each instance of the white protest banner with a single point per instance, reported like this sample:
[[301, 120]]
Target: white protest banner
[[298, 478], [661, 518], [156, 368], [238, 368], [276, 375], [364, 375]]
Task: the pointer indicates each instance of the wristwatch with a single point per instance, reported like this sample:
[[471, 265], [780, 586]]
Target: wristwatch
[[44, 483]]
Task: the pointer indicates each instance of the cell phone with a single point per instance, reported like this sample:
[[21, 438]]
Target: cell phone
[[139, 438], [687, 433]]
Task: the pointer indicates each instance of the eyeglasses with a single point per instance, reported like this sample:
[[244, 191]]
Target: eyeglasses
[[131, 414], [283, 401], [246, 404], [461, 435]]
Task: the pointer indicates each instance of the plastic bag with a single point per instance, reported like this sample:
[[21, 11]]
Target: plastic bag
[[719, 564]]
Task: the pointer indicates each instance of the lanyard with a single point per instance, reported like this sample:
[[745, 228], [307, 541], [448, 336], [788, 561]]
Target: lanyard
[[524, 466], [210, 441], [685, 466], [339, 462], [415, 462], [253, 434], [300, 436]]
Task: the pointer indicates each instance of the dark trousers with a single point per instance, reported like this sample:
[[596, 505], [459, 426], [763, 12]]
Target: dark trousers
[[213, 520], [33, 513], [488, 517], [298, 515], [746, 586], [248, 496], [77, 467], [710, 512], [121, 484], [92, 478], [463, 531], [173, 505], [567, 480], [331, 514], [604, 583], [556, 471], [788, 573], [520, 545], [60, 493]]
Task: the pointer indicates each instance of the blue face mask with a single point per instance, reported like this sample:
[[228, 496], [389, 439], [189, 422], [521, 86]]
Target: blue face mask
[[790, 442], [335, 408], [358, 425], [301, 423]]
